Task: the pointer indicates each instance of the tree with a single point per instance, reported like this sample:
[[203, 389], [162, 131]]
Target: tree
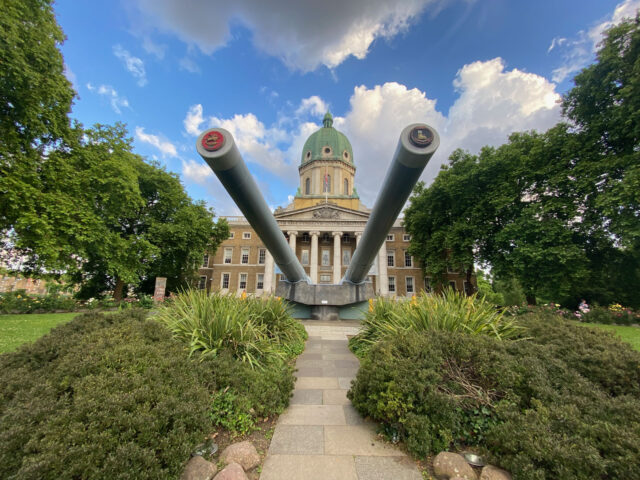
[[147, 225], [557, 212], [35, 100]]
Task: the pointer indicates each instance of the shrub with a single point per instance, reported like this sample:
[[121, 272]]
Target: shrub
[[253, 330], [595, 354], [116, 396], [451, 311], [19, 301], [615, 314], [523, 402]]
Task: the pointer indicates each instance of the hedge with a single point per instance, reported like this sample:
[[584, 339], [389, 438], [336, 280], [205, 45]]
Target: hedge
[[115, 396], [541, 406]]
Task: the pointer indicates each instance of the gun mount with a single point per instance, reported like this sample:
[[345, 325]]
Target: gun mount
[[416, 146]]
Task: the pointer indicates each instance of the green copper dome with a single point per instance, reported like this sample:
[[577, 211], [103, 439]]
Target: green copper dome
[[327, 144]]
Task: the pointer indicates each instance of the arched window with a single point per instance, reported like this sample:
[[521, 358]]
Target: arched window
[[346, 186], [307, 186], [327, 183]]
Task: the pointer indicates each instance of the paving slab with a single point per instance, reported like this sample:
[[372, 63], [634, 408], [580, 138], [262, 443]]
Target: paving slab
[[356, 440], [345, 382], [313, 415], [306, 383], [318, 363], [352, 416], [337, 356], [297, 440], [386, 468], [310, 371], [335, 397], [306, 397], [339, 372], [312, 356], [308, 467]]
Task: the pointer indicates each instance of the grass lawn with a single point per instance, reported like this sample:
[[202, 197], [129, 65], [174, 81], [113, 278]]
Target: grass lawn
[[628, 334], [18, 329]]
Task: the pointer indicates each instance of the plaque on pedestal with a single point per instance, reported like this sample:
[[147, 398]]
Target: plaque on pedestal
[[161, 285]]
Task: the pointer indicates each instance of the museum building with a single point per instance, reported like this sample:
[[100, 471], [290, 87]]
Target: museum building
[[323, 226]]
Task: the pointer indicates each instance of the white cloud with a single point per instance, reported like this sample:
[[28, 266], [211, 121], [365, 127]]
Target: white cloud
[[166, 147], [153, 48], [134, 65], [492, 103], [556, 42], [196, 172], [189, 65], [193, 120], [313, 105], [70, 76], [578, 52], [304, 34], [258, 143], [115, 100]]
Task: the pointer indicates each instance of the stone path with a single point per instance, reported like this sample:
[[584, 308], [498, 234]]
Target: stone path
[[321, 435]]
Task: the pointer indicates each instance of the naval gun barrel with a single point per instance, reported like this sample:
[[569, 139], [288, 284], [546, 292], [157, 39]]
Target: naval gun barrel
[[218, 148], [418, 142]]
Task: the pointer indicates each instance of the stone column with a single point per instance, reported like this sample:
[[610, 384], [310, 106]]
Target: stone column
[[358, 237], [292, 240], [269, 274], [337, 257], [313, 261], [383, 275]]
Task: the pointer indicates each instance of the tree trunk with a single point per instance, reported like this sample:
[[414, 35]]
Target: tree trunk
[[531, 299], [469, 290], [117, 291]]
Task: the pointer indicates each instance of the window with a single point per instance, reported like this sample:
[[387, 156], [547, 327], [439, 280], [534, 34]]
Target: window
[[307, 186], [326, 238], [391, 258], [346, 186], [346, 238], [225, 280], [325, 257], [305, 238], [327, 183], [346, 256], [260, 281], [262, 254], [427, 284], [245, 256], [202, 284], [205, 260], [304, 257], [408, 259], [232, 235], [242, 283], [390, 237], [452, 284], [246, 235], [409, 284], [406, 237], [392, 284], [325, 278], [228, 253]]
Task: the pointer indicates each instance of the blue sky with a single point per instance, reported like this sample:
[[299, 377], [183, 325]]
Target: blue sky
[[268, 71]]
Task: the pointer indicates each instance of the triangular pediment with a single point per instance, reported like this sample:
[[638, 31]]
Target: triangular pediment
[[322, 212]]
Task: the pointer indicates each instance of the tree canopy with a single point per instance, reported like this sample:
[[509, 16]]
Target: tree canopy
[[80, 201], [558, 211]]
